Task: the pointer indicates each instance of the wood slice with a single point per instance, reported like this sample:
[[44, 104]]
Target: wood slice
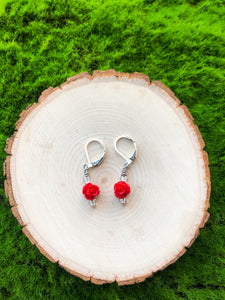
[[170, 181]]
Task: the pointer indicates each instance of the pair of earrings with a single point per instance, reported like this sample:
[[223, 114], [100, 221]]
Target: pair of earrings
[[121, 188]]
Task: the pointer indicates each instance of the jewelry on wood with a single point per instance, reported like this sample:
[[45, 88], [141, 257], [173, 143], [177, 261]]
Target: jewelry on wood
[[91, 191], [121, 188]]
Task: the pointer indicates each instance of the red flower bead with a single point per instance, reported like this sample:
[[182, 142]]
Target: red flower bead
[[90, 191], [121, 189]]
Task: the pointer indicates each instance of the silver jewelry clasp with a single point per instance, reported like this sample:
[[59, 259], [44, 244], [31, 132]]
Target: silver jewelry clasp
[[129, 160], [90, 163]]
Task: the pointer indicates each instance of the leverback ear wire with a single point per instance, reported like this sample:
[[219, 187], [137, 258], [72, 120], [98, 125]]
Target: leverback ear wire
[[121, 188], [90, 190]]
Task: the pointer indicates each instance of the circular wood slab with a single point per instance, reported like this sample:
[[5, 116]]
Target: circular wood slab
[[170, 181]]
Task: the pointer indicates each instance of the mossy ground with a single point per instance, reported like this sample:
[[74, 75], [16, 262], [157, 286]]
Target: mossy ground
[[181, 43]]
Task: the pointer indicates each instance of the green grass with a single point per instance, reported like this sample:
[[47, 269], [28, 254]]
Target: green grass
[[2, 6], [181, 43]]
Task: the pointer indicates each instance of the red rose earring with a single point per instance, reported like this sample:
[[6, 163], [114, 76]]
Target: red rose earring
[[121, 188], [91, 191]]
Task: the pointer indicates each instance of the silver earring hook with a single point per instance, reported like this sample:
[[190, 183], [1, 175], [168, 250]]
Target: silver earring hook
[[90, 163], [128, 160]]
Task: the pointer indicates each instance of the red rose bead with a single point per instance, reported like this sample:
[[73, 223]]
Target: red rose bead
[[121, 189], [90, 191]]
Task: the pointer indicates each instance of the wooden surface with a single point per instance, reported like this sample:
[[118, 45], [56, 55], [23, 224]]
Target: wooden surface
[[170, 181]]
